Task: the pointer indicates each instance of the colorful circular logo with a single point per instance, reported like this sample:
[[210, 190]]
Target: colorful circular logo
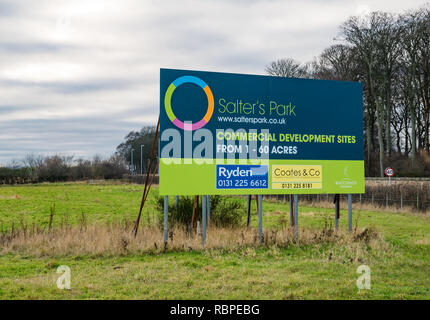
[[168, 104]]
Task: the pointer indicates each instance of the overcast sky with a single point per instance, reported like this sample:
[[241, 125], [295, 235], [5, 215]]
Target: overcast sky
[[76, 76]]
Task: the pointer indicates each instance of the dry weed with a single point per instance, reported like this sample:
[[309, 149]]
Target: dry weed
[[117, 239]]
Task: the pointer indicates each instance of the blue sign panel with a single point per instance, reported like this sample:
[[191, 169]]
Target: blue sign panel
[[239, 176], [307, 119]]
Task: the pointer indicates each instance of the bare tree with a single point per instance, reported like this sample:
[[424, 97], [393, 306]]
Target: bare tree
[[363, 34], [288, 68]]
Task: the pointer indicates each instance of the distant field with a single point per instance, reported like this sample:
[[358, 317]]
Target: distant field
[[399, 261]]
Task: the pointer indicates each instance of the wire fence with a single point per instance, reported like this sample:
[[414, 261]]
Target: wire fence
[[404, 201], [402, 193]]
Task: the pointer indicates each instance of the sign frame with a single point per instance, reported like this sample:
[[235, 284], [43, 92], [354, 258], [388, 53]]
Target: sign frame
[[336, 148]]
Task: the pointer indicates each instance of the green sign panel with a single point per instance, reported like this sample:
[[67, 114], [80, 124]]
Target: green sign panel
[[226, 133]]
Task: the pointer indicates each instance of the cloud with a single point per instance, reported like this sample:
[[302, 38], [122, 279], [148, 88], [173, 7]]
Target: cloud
[[77, 87], [7, 9], [30, 48], [77, 76]]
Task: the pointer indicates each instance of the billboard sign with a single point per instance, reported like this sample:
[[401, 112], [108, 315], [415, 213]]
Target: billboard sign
[[223, 133]]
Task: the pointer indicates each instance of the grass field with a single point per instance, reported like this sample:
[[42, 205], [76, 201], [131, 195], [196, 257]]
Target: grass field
[[399, 258]]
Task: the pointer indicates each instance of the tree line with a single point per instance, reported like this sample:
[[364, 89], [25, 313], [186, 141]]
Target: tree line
[[390, 55], [38, 168], [54, 168]]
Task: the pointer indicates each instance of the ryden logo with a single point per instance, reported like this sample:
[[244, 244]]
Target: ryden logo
[[168, 104]]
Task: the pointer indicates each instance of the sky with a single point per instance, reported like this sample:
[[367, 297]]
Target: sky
[[76, 76]]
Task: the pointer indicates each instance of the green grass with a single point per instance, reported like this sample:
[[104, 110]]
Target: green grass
[[323, 271], [99, 203]]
